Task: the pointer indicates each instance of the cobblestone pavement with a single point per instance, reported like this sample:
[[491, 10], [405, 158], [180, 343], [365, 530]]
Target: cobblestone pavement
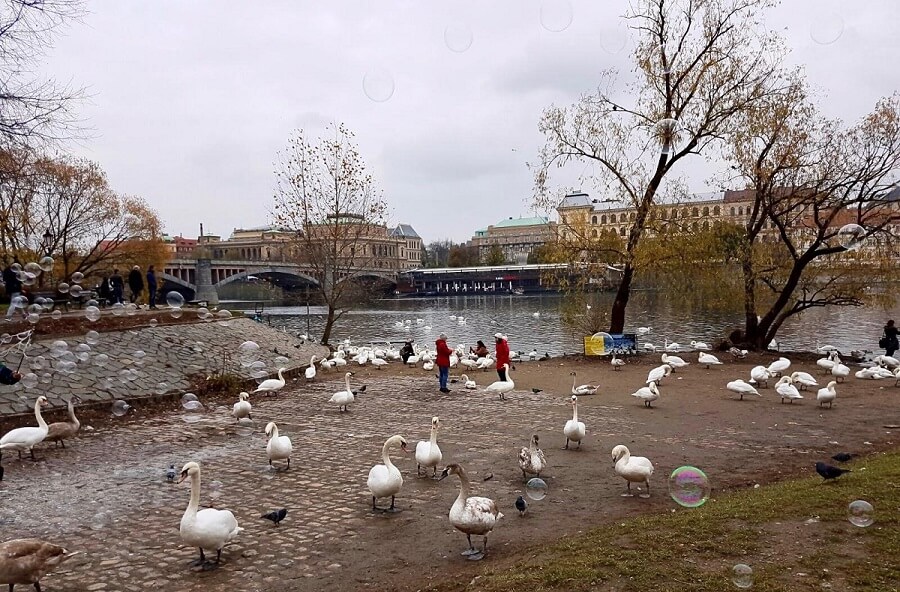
[[107, 496], [171, 355]]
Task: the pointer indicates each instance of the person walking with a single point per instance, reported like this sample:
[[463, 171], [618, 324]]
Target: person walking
[[13, 287], [443, 361], [406, 351], [151, 286], [104, 290], [136, 283], [890, 341], [502, 354], [117, 285]]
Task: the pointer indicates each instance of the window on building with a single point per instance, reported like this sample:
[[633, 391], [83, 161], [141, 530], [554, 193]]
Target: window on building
[[594, 233], [593, 219], [695, 212], [705, 225], [741, 211], [622, 217], [663, 214], [631, 216], [674, 214], [706, 210], [716, 211], [603, 219], [622, 231], [732, 210]]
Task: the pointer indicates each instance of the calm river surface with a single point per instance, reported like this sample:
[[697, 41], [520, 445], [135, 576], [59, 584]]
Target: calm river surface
[[533, 322]]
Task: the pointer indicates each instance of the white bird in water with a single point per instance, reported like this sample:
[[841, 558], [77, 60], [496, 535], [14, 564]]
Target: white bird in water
[[643, 330], [742, 388], [708, 360], [786, 390], [700, 345], [574, 430], [777, 367], [647, 394], [827, 394]]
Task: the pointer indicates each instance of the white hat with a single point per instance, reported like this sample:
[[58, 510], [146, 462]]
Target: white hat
[[442, 336], [499, 336]]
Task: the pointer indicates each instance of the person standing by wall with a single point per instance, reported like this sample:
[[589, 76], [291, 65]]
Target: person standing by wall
[[117, 285], [151, 286], [136, 283], [443, 361], [502, 354], [890, 340], [13, 287]]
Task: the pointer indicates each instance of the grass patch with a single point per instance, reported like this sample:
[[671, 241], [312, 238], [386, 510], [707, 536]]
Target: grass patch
[[794, 534]]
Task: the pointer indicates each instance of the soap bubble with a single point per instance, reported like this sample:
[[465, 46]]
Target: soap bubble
[[56, 315], [176, 313], [742, 576], [92, 313], [203, 313], [16, 267], [38, 363], [827, 27], [860, 513], [33, 268], [29, 380], [46, 263], [689, 487], [378, 84], [190, 402], [281, 361], [75, 291], [83, 352], [46, 378], [62, 288], [536, 489], [58, 347], [191, 417], [35, 308], [92, 337], [139, 357], [29, 279], [614, 38], [100, 520], [556, 15], [458, 37], [153, 322], [118, 309], [215, 489], [605, 338], [162, 388], [120, 408], [248, 352], [101, 360], [33, 318], [131, 309], [77, 277], [92, 302], [174, 299], [851, 236], [126, 375]]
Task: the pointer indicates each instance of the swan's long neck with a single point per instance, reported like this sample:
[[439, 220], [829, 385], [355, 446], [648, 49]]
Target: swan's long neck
[[280, 377], [386, 458], [312, 360], [195, 496], [574, 411], [38, 416], [464, 487], [573, 382], [347, 382], [508, 373], [274, 433], [626, 456], [434, 435], [72, 413]]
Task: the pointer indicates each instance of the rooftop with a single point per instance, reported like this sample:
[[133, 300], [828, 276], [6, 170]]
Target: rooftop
[[404, 230], [513, 222]]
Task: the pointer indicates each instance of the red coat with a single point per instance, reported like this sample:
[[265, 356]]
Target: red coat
[[502, 353], [443, 353]]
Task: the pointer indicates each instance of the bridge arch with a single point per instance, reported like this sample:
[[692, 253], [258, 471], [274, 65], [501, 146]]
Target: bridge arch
[[269, 271], [176, 280]]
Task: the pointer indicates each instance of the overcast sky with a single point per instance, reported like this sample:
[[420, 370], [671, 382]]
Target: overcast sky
[[190, 101]]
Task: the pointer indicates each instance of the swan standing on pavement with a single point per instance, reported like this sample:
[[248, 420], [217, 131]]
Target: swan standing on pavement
[[242, 408], [827, 394], [471, 515], [574, 429], [803, 379], [531, 459], [271, 384], [311, 371], [742, 388], [209, 528], [840, 371], [647, 394], [502, 386], [616, 363], [786, 390], [584, 389], [279, 447], [60, 430], [760, 375], [673, 362], [25, 439], [468, 382], [708, 360], [385, 479], [26, 561], [658, 373], [428, 454], [344, 397], [828, 362], [634, 469], [777, 367]]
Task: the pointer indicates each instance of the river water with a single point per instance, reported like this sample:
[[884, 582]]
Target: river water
[[534, 322]]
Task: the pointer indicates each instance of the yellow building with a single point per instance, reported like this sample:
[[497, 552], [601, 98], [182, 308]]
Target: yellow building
[[515, 237]]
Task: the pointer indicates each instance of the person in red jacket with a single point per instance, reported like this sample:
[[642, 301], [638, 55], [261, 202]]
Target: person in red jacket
[[502, 352], [443, 361]]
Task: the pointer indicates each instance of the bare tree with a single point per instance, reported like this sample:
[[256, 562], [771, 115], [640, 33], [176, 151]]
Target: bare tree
[[325, 193], [699, 64]]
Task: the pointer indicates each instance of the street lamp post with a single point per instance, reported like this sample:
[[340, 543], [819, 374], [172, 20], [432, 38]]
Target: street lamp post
[[47, 244]]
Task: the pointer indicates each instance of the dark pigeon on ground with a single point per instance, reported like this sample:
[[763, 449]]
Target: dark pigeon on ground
[[489, 477], [275, 516], [829, 472], [170, 474], [361, 389], [843, 456], [521, 505], [536, 390]]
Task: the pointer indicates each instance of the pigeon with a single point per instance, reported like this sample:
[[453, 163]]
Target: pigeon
[[361, 389], [521, 505], [275, 516], [170, 474], [829, 472], [537, 390], [843, 456], [489, 477]]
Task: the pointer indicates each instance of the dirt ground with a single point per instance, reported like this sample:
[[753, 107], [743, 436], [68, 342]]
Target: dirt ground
[[332, 541]]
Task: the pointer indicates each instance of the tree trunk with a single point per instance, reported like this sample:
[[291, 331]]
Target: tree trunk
[[329, 323], [617, 315]]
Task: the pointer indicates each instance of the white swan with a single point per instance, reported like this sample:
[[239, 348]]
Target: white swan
[[658, 373], [647, 394], [60, 430], [786, 390], [828, 362], [634, 469], [673, 361], [887, 361], [699, 345], [584, 389], [428, 365], [470, 364], [279, 447], [327, 364], [484, 363], [242, 408], [502, 387], [311, 371], [385, 479], [574, 429], [616, 363], [344, 397], [428, 454], [708, 360], [760, 375], [644, 330], [272, 384], [379, 363], [531, 459], [840, 371], [468, 382], [804, 379], [742, 388], [779, 366], [471, 515], [25, 439], [827, 394], [209, 528]]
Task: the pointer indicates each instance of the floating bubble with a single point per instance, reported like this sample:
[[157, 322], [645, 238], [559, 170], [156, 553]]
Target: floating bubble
[[378, 84], [689, 487], [131, 309], [191, 417], [176, 313], [536, 489], [56, 315], [605, 338], [861, 513], [190, 402], [77, 277], [162, 388], [248, 353], [614, 37], [174, 299], [826, 28], [742, 575], [153, 322], [48, 304], [120, 408], [100, 520], [75, 291], [83, 352], [92, 313], [281, 361], [58, 346], [203, 313], [33, 318], [35, 308], [556, 15], [101, 360], [16, 267], [33, 268], [38, 363], [126, 375], [118, 309], [92, 302], [46, 263], [92, 337], [46, 378], [851, 236], [29, 279], [139, 357], [458, 37], [62, 288], [29, 380]]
